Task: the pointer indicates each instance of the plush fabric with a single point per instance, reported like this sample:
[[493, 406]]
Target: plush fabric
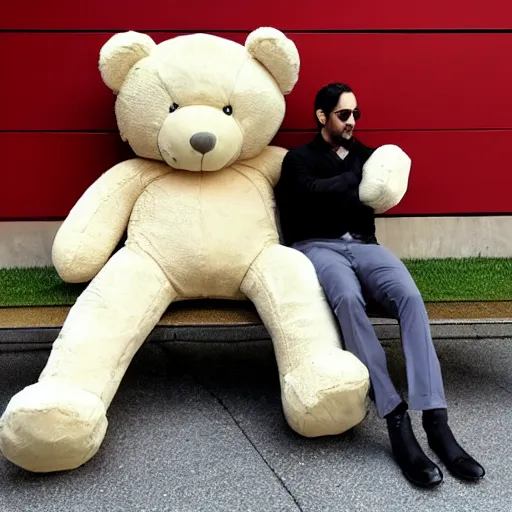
[[385, 178], [197, 203]]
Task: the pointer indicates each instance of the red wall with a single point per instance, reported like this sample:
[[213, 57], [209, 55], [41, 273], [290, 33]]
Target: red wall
[[432, 77]]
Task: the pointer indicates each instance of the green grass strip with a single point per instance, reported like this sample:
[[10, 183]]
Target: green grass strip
[[439, 280], [468, 279], [36, 287]]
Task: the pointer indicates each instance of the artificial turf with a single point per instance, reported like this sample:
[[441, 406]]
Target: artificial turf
[[439, 280], [468, 279]]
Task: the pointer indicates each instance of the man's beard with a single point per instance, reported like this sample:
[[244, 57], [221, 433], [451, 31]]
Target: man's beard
[[344, 139]]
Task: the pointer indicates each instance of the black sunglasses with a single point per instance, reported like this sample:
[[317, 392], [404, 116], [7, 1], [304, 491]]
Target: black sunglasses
[[345, 113]]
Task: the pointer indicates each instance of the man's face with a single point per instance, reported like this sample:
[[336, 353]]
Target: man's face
[[341, 121]]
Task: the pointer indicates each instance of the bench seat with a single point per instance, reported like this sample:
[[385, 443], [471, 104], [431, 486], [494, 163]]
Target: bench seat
[[192, 320]]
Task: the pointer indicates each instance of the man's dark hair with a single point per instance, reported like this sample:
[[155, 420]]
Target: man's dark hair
[[327, 98]]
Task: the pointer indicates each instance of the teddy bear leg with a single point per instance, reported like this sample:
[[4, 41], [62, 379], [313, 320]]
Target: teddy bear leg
[[323, 387], [59, 423]]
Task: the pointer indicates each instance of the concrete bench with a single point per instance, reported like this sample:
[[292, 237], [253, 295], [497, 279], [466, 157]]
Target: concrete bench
[[238, 321], [208, 320]]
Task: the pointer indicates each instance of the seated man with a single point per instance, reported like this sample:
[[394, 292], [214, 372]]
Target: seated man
[[321, 216]]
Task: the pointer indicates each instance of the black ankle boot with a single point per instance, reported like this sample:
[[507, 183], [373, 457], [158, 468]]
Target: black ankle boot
[[413, 462], [443, 443]]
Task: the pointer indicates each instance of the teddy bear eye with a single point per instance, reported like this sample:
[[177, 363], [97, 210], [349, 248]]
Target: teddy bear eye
[[173, 107], [228, 110]]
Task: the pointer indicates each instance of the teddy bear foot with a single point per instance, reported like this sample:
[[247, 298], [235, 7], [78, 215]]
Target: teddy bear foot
[[52, 426], [326, 395]]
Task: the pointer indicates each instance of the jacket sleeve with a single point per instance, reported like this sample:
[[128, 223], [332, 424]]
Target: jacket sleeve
[[296, 172]]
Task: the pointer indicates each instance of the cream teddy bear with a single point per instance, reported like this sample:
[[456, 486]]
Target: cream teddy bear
[[199, 112]]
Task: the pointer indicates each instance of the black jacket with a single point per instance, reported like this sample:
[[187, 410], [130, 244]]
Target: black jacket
[[317, 194]]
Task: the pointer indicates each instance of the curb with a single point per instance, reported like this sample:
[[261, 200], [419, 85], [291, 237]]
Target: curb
[[385, 330], [468, 329]]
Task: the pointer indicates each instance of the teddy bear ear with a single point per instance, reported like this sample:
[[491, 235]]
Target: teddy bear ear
[[119, 54], [277, 53]]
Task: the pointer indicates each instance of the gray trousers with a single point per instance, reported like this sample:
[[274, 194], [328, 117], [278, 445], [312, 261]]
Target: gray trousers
[[348, 272]]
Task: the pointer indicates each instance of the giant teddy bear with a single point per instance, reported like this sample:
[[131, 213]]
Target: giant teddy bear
[[197, 204]]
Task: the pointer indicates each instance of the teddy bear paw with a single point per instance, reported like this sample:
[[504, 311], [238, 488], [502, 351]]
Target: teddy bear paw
[[327, 394], [52, 426]]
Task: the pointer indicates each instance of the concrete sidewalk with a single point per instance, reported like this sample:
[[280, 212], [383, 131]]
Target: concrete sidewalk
[[199, 427]]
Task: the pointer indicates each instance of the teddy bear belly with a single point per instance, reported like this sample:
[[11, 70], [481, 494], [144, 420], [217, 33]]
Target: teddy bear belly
[[204, 237]]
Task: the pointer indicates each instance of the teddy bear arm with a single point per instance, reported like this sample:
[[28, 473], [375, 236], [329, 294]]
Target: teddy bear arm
[[269, 163], [96, 223]]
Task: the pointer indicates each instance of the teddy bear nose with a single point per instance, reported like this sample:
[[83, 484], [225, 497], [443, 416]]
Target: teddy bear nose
[[203, 142]]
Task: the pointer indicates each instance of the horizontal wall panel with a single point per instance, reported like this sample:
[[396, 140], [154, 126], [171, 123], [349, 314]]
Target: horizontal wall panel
[[44, 174], [237, 15], [453, 172], [402, 81]]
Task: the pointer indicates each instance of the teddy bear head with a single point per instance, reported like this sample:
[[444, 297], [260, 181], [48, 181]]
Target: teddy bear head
[[199, 102]]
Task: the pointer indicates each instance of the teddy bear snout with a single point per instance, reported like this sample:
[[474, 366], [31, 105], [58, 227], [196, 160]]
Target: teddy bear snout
[[203, 142]]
